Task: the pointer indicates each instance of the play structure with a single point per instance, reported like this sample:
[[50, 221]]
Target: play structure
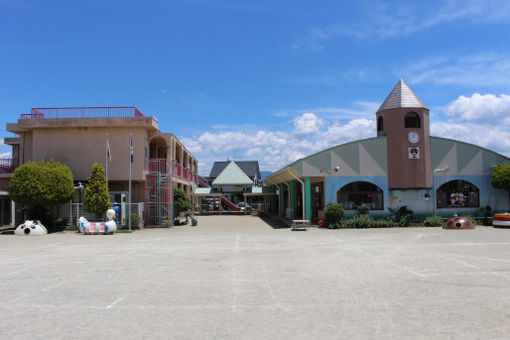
[[109, 226], [501, 220], [30, 228], [459, 223], [229, 204]]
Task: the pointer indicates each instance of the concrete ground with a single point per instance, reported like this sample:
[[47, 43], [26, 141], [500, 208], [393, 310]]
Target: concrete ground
[[236, 277]]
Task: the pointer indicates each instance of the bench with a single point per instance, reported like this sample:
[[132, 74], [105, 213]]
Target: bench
[[300, 225]]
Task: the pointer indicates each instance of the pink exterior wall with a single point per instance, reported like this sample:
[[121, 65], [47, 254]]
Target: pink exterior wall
[[79, 148]]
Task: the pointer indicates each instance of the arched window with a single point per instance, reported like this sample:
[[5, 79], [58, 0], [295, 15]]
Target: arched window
[[412, 120], [380, 124], [458, 194], [356, 194]]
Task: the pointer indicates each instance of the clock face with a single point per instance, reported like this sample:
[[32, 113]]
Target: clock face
[[414, 137]]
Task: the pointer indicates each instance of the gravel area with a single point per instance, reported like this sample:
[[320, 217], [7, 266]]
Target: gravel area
[[236, 277]]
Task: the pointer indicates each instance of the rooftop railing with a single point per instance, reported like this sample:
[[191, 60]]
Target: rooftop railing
[[83, 112]]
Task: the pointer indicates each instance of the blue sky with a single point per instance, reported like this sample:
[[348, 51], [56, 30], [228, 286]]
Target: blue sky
[[266, 80]]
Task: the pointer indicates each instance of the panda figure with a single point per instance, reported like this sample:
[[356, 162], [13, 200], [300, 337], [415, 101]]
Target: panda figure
[[30, 228]]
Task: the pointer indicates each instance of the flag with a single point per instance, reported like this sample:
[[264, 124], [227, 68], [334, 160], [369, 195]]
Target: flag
[[131, 147], [108, 153]]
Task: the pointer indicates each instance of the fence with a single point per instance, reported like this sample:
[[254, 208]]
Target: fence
[[83, 112], [77, 210]]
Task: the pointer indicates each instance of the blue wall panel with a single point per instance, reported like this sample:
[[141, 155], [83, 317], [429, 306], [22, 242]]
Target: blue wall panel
[[417, 200]]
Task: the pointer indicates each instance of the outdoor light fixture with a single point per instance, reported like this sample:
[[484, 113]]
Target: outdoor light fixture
[[337, 168]]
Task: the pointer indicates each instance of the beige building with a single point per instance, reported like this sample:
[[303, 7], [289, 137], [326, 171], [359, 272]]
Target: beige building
[[78, 137]]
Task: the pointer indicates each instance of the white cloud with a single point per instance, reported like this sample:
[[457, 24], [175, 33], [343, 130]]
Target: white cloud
[[481, 108], [380, 20], [489, 69], [480, 119], [491, 137], [5, 155], [308, 134], [358, 109], [307, 123]]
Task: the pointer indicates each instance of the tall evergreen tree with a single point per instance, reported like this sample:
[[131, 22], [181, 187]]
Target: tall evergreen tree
[[97, 197]]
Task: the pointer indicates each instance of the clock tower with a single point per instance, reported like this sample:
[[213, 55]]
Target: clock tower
[[404, 119]]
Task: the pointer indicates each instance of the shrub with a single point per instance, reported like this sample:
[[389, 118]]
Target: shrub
[[433, 221], [402, 216], [40, 186], [334, 226], [382, 224], [363, 209], [361, 221], [135, 221], [43, 184], [167, 223], [486, 212], [182, 203], [500, 177], [333, 213], [365, 221]]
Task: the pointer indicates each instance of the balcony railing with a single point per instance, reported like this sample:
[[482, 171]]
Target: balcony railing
[[83, 112], [8, 165], [160, 165]]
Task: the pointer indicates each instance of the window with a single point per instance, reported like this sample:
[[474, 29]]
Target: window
[[380, 124], [356, 194], [458, 194], [412, 120]]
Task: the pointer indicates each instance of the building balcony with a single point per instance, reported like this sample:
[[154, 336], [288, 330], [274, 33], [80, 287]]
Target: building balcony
[[162, 166], [8, 165]]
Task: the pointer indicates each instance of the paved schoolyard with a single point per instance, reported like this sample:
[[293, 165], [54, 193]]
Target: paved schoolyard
[[235, 277]]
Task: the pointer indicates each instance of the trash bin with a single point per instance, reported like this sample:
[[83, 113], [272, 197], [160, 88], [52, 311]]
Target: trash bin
[[194, 221]]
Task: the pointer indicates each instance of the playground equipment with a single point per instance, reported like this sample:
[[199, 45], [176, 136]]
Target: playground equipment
[[501, 220], [110, 226], [459, 223], [30, 228], [229, 204]]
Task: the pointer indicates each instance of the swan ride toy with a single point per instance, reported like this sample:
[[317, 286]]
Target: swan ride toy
[[109, 226]]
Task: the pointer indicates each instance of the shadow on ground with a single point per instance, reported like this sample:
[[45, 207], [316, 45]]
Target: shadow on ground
[[275, 224]]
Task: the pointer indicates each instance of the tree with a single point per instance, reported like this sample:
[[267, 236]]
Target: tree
[[97, 197], [501, 176], [41, 185], [181, 201]]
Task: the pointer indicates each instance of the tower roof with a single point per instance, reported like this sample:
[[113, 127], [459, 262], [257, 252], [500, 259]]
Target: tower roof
[[402, 96]]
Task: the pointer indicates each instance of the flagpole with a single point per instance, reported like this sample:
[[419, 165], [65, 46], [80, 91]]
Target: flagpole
[[107, 159], [130, 162]]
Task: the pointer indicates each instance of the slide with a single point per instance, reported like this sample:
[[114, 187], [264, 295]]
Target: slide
[[230, 204]]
